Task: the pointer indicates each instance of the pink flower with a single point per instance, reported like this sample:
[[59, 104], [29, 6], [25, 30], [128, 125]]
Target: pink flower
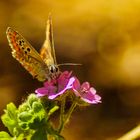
[[65, 82], [56, 87], [85, 92]]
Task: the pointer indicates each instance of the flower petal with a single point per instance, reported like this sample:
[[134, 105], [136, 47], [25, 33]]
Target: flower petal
[[91, 96], [76, 84], [45, 91], [68, 86], [49, 83], [63, 80], [41, 91], [65, 74], [85, 85]]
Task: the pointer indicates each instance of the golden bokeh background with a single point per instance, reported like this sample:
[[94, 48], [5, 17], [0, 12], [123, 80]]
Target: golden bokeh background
[[102, 35]]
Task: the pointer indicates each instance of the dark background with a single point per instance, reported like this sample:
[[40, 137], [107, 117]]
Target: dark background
[[104, 36]]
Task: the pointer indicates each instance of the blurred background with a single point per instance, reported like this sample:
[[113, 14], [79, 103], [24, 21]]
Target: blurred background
[[104, 36]]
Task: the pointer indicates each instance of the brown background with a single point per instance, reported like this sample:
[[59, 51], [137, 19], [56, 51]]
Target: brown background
[[102, 35]]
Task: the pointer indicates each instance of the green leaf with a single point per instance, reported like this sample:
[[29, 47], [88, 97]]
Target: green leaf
[[24, 125], [23, 107], [40, 134], [37, 107], [30, 121], [11, 111], [48, 104], [32, 98], [7, 121], [5, 136], [10, 116], [25, 116], [38, 124]]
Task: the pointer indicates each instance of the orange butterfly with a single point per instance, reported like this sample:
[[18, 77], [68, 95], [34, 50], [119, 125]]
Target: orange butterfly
[[41, 66]]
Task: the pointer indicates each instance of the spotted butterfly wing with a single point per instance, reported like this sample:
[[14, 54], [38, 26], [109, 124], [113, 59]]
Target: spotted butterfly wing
[[27, 55]]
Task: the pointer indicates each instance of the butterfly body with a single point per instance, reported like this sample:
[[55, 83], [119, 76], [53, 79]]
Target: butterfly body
[[41, 66]]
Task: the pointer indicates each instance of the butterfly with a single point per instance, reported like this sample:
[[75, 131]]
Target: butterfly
[[42, 66]]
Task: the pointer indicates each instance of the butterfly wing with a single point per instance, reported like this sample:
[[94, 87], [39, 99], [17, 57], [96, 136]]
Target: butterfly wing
[[27, 55], [47, 51]]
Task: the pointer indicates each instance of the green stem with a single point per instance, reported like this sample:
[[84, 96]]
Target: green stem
[[51, 111], [62, 111], [68, 115], [70, 111], [132, 134]]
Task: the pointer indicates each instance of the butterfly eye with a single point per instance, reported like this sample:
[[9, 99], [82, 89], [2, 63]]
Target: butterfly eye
[[56, 69], [52, 70]]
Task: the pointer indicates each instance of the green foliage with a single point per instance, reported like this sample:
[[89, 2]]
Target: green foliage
[[40, 134], [5, 136], [30, 120]]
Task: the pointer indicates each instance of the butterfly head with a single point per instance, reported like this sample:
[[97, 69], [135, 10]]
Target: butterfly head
[[54, 71]]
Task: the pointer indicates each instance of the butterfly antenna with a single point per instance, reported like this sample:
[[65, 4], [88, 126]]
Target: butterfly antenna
[[69, 64]]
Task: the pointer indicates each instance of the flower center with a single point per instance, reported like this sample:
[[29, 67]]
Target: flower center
[[84, 90]]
